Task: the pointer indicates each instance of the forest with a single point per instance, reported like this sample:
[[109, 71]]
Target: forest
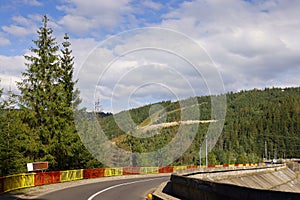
[[259, 124], [38, 123]]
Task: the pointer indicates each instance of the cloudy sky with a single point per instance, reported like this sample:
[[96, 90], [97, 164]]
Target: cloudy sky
[[192, 48]]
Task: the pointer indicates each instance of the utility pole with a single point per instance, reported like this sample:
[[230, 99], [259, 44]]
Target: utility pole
[[200, 156], [97, 108], [266, 150], [206, 157]]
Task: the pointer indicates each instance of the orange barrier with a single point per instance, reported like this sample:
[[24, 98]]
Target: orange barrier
[[93, 173], [167, 169], [131, 170], [192, 167], [45, 178]]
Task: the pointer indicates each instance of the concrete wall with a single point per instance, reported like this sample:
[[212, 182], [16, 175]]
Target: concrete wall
[[233, 184], [195, 189], [295, 166]]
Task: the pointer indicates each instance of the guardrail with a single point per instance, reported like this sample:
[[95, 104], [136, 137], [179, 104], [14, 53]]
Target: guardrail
[[18, 181]]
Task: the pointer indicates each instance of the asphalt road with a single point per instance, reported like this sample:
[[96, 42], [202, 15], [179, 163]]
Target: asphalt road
[[131, 189]]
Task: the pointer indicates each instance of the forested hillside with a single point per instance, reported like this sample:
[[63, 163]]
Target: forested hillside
[[256, 121], [259, 123]]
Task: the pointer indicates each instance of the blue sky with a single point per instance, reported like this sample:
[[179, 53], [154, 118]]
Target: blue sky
[[252, 44]]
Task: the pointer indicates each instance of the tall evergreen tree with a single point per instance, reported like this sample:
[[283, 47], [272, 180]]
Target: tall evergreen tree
[[10, 136], [47, 99], [67, 146], [67, 71], [42, 94]]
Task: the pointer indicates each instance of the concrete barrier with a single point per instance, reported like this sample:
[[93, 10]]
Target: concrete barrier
[[195, 189], [210, 185]]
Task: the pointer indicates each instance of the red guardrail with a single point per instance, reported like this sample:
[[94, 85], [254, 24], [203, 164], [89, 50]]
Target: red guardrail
[[167, 169], [93, 173], [45, 178], [192, 167], [131, 170]]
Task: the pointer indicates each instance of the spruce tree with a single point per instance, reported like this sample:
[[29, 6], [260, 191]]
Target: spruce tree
[[42, 93], [10, 133], [67, 71], [67, 140], [74, 154]]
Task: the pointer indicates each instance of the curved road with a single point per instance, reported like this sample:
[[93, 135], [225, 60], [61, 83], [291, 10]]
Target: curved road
[[133, 189]]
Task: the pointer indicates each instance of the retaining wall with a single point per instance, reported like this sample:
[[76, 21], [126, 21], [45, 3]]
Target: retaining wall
[[258, 183]]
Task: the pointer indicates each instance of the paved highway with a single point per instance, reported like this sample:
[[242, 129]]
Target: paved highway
[[131, 189]]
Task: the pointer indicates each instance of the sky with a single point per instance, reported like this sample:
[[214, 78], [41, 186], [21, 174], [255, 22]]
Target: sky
[[130, 53]]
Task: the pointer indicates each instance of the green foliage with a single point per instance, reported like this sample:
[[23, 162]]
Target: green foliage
[[254, 118], [43, 128]]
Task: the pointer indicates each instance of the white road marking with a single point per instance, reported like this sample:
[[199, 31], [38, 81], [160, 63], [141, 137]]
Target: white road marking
[[122, 184]]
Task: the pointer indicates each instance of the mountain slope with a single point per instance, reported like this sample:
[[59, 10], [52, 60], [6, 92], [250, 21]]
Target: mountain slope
[[257, 121]]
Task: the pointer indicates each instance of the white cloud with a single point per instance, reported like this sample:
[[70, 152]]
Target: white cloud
[[23, 26], [31, 2], [151, 63], [4, 41], [252, 43], [84, 16], [10, 71], [16, 30], [81, 49], [77, 24], [152, 5]]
